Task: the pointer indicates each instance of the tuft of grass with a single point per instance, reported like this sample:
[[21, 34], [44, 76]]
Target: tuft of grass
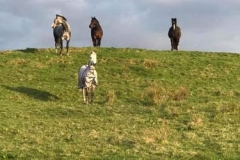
[[155, 93], [150, 63], [196, 121], [110, 97], [179, 94], [156, 135]]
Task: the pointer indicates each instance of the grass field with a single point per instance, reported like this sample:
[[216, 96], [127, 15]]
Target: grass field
[[148, 105]]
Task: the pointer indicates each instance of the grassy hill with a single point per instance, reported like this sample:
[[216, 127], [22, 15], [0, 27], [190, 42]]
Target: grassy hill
[[148, 105]]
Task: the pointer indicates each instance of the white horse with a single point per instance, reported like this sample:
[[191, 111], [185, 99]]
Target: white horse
[[87, 78], [61, 32]]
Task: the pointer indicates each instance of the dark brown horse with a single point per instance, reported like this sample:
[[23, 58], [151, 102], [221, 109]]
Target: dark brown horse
[[96, 32], [174, 34]]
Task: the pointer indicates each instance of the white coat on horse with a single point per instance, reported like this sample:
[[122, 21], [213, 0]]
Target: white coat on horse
[[87, 78]]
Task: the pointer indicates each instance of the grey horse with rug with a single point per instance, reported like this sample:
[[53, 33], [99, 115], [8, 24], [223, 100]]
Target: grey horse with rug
[[61, 32], [87, 78]]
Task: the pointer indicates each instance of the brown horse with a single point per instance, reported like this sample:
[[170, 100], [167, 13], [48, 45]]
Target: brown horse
[[174, 34], [96, 32]]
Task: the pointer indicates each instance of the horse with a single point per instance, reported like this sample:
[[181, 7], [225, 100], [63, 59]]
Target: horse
[[96, 32], [174, 34], [87, 78], [61, 32]]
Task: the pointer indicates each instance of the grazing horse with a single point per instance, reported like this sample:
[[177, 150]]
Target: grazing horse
[[87, 78], [174, 34], [61, 31], [96, 32]]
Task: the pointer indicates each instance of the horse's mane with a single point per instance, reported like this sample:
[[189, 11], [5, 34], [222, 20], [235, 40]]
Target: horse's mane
[[65, 25], [94, 18], [64, 22], [57, 15]]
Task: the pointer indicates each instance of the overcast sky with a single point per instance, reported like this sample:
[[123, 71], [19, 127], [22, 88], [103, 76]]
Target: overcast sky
[[207, 25]]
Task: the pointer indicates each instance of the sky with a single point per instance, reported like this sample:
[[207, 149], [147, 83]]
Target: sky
[[206, 25]]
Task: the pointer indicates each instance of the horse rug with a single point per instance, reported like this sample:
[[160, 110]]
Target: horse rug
[[88, 77]]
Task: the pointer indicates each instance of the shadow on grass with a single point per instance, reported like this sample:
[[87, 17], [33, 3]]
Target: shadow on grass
[[34, 93]]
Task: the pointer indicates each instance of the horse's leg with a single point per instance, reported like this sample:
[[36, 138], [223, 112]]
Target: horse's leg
[[61, 46], [84, 94], [99, 42], [177, 43], [92, 93], [56, 47], [94, 42], [67, 46], [172, 44], [56, 44], [87, 95]]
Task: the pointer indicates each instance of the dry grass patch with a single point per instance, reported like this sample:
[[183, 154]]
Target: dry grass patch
[[179, 94], [159, 94], [17, 61], [39, 65], [94, 134], [150, 63], [195, 122], [154, 135], [132, 61], [110, 97], [59, 59], [155, 94]]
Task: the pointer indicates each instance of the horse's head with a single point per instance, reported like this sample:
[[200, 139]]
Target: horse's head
[[174, 22], [58, 20], [92, 59], [94, 22]]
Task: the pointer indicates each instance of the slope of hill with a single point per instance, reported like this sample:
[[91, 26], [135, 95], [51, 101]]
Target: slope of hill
[[148, 105]]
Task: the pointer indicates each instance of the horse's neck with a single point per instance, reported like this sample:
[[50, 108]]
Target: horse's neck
[[97, 26], [91, 68], [66, 26]]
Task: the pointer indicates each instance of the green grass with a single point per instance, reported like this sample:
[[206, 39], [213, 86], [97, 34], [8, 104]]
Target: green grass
[[148, 105]]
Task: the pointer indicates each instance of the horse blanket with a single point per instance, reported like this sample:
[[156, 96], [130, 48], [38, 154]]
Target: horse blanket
[[87, 76]]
